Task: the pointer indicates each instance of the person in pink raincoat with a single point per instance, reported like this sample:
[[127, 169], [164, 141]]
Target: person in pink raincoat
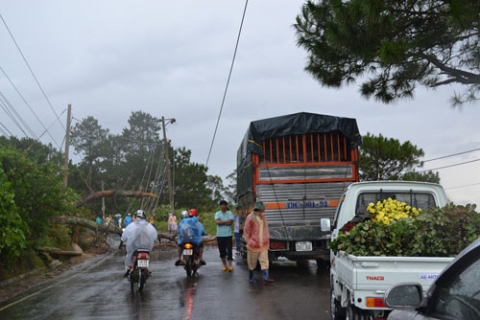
[[257, 236]]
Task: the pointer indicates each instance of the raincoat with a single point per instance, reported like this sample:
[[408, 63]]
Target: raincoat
[[138, 235], [196, 228], [255, 232], [172, 222], [127, 220]]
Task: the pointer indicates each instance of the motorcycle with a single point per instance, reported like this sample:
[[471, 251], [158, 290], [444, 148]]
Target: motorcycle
[[140, 272], [191, 258]]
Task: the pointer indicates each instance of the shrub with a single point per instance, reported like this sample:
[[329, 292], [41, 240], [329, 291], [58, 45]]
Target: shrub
[[403, 231]]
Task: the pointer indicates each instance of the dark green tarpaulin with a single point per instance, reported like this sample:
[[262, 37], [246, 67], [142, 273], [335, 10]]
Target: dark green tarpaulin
[[292, 124]]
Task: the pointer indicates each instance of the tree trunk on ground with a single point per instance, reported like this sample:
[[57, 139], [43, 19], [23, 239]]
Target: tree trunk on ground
[[112, 193], [87, 223]]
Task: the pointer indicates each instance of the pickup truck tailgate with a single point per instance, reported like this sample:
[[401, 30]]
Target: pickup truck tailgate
[[379, 273]]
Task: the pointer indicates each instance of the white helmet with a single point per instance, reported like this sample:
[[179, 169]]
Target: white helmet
[[184, 214], [140, 214]]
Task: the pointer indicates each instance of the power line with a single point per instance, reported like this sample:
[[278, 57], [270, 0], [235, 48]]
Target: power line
[[46, 129], [10, 106], [228, 82], [5, 132], [449, 166], [31, 71], [451, 155], [467, 185], [5, 108], [28, 105], [462, 163]]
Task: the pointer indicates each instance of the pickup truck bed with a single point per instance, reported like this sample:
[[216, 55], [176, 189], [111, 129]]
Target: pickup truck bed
[[372, 276]]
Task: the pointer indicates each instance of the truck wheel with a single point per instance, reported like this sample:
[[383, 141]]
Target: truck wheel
[[244, 254], [354, 313], [336, 311], [271, 258], [322, 264]]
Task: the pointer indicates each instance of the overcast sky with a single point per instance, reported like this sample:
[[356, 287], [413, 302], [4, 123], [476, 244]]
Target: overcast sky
[[172, 59]]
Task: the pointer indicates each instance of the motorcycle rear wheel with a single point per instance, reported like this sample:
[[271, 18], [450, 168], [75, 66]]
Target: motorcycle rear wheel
[[188, 266], [141, 280]]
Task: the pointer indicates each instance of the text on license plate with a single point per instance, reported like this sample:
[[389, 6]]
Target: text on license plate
[[187, 252], [303, 246], [142, 263]]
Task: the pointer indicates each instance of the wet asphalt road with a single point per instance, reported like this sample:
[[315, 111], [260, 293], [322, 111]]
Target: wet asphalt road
[[97, 290]]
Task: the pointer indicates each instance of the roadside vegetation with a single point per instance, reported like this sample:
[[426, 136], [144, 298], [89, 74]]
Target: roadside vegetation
[[121, 173]]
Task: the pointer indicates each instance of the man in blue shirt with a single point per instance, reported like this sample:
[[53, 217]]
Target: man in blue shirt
[[224, 220]]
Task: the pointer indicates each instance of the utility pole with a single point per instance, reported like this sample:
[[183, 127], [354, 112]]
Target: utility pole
[[103, 204], [67, 146], [167, 161]]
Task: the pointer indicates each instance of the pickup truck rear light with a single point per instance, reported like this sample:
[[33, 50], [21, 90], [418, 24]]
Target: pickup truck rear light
[[373, 302], [275, 245]]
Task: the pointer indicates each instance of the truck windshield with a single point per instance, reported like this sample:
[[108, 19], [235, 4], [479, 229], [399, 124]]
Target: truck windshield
[[417, 200]]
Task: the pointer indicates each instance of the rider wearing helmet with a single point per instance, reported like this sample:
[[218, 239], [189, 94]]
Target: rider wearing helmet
[[184, 214], [192, 223], [138, 235]]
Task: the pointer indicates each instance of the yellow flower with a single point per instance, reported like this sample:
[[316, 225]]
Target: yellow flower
[[390, 210]]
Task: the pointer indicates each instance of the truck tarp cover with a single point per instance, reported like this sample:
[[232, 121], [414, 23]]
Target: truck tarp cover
[[293, 124]]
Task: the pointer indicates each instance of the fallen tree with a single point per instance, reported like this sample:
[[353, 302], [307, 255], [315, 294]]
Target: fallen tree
[[87, 223], [114, 193], [111, 228]]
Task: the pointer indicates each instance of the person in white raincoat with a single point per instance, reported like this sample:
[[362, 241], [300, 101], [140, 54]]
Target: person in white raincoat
[[139, 234]]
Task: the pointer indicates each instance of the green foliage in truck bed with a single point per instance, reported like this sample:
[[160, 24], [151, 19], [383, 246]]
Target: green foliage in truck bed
[[436, 232]]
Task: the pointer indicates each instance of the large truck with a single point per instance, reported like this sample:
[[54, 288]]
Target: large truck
[[358, 283], [298, 165]]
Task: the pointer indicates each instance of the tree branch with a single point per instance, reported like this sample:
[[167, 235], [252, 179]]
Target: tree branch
[[459, 75]]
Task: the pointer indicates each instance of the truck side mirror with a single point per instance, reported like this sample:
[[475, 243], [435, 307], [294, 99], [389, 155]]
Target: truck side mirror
[[325, 224]]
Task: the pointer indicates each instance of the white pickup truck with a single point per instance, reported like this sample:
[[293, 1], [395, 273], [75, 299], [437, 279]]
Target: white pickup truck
[[358, 283]]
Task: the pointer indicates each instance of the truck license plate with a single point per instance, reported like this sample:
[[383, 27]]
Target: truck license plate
[[303, 246], [142, 263], [187, 252]]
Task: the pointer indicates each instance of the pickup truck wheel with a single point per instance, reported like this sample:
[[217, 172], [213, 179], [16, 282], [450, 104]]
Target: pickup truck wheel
[[336, 311], [353, 313]]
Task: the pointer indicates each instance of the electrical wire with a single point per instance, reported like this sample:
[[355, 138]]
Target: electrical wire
[[31, 71], [18, 116], [4, 106], [454, 165], [5, 132], [449, 166], [451, 155], [28, 105], [46, 129], [467, 185], [228, 82]]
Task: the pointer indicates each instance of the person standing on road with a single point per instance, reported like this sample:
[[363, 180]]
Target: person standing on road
[[236, 228], [257, 236], [172, 223], [224, 220], [138, 235]]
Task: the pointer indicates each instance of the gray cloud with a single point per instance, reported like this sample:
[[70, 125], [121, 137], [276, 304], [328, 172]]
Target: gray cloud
[[110, 58]]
